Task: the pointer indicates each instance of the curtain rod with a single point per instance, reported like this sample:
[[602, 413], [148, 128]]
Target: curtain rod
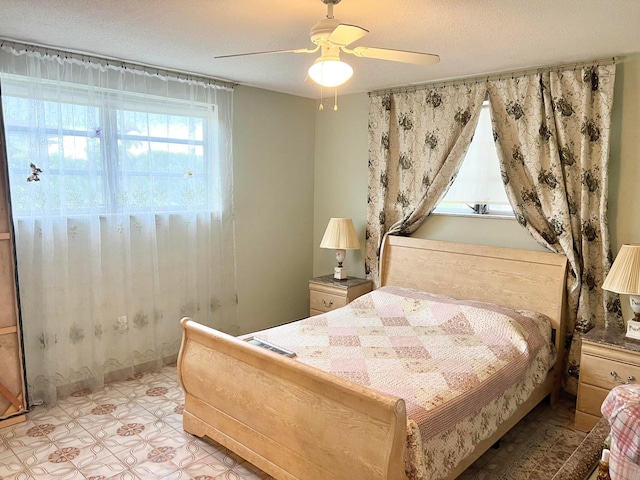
[[108, 61], [492, 76]]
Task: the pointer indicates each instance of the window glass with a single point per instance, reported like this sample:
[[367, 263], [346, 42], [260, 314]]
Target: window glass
[[97, 156], [478, 188]]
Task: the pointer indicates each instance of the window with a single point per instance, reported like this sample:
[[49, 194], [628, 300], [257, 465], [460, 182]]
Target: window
[[478, 188], [104, 152]]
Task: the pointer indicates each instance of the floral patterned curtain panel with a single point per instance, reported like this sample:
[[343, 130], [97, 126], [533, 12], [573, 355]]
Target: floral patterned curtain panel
[[121, 190], [552, 137], [417, 141]]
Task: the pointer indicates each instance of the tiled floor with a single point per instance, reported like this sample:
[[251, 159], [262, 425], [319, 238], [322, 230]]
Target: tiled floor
[[133, 430], [128, 430]]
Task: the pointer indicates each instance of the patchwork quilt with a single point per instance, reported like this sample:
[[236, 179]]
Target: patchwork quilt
[[461, 367]]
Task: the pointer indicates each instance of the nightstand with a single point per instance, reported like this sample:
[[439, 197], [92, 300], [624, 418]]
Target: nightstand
[[607, 359], [327, 293]]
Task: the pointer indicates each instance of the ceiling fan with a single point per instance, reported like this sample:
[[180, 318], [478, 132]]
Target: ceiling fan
[[330, 37]]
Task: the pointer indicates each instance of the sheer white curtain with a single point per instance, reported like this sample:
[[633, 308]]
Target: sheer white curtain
[[125, 225]]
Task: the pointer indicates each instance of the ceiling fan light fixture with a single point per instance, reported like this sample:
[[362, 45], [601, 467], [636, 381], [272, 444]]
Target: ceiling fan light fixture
[[330, 72], [332, 37]]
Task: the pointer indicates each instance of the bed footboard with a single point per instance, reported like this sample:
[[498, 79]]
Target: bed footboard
[[289, 419]]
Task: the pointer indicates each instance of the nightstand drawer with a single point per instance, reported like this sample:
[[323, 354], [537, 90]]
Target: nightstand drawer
[[326, 293], [604, 350], [325, 302], [590, 399], [597, 371]]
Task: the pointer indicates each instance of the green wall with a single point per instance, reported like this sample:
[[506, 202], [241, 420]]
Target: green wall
[[295, 167], [341, 178], [341, 151], [624, 167], [273, 156]]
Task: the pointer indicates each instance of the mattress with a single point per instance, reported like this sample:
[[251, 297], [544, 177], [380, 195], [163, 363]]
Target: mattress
[[461, 367]]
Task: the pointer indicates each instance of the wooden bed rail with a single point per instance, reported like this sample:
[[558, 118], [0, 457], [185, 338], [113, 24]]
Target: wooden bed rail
[[311, 425], [296, 422]]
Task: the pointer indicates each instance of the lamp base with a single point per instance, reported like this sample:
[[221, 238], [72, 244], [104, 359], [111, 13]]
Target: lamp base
[[633, 325], [633, 329], [340, 273]]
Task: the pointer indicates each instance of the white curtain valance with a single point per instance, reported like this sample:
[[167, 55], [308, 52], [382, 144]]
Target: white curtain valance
[[10, 48]]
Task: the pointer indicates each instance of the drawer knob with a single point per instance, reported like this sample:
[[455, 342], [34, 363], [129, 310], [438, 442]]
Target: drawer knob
[[327, 305], [618, 379]]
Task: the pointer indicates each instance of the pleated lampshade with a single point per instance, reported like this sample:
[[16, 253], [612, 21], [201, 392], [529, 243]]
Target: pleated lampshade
[[624, 276], [340, 234]]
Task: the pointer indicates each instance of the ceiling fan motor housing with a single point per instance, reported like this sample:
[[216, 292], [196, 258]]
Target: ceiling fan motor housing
[[333, 37], [321, 30]]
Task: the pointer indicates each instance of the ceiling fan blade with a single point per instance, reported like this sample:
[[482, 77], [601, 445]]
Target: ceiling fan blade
[[345, 34], [396, 55], [296, 50]]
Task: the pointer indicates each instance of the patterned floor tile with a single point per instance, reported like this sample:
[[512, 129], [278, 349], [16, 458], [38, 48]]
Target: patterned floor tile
[[16, 431], [106, 430], [158, 466], [33, 452], [62, 434], [207, 467], [134, 454], [10, 465], [90, 455], [179, 475], [58, 471], [142, 416], [104, 467], [132, 430], [5, 451], [126, 475], [54, 415]]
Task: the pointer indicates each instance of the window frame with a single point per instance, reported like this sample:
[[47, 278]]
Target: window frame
[[110, 105]]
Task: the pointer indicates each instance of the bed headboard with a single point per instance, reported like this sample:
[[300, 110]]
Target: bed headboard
[[520, 279]]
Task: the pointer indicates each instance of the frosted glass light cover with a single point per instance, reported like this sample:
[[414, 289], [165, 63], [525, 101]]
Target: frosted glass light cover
[[330, 73]]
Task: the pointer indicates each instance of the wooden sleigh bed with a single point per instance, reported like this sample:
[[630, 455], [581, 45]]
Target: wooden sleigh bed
[[274, 411]]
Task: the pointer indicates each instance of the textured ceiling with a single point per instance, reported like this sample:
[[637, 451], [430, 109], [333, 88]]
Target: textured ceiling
[[472, 37]]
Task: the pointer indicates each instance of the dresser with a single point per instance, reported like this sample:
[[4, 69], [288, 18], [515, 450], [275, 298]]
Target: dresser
[[13, 403], [327, 293], [607, 359]]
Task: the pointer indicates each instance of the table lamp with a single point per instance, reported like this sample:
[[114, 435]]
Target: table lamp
[[624, 277], [341, 235]]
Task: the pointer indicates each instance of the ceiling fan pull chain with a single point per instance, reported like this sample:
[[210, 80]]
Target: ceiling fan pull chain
[[321, 99], [335, 100]]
